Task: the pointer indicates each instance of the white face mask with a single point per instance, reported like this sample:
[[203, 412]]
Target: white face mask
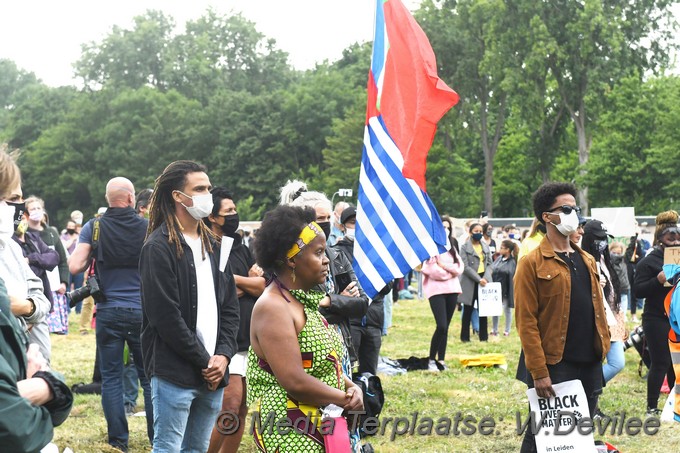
[[202, 206], [349, 233], [6, 220], [568, 223], [36, 215]]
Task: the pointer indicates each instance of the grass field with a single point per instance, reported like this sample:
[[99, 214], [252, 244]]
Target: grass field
[[471, 392]]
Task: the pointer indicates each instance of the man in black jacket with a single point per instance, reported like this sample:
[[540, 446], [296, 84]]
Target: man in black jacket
[[191, 311], [366, 330], [116, 250]]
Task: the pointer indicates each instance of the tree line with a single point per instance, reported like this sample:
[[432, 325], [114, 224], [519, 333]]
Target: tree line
[[561, 90]]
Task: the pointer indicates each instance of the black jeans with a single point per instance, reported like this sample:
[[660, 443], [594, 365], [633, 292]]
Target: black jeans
[[443, 306], [656, 335], [467, 317], [367, 341], [590, 375]]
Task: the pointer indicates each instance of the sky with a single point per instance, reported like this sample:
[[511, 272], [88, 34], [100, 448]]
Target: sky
[[45, 36]]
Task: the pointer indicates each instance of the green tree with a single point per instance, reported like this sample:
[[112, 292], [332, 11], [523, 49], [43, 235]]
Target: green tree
[[131, 133], [12, 83], [130, 58], [219, 52], [591, 44], [40, 108], [629, 164], [468, 39]]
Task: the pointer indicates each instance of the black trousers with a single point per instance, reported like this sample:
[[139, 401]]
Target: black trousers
[[656, 335], [467, 317], [367, 341], [590, 375], [443, 306]]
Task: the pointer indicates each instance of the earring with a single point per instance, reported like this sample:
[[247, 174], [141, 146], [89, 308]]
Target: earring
[[293, 275]]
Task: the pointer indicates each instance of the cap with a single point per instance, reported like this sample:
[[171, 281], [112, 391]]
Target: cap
[[347, 213], [581, 220], [597, 229]]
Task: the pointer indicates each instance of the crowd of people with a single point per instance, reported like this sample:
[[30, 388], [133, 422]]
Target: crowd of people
[[206, 319]]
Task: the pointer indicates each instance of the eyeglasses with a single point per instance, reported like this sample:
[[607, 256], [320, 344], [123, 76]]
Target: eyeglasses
[[566, 209]]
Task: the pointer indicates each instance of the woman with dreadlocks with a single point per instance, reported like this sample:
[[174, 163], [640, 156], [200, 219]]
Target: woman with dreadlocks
[[191, 314]]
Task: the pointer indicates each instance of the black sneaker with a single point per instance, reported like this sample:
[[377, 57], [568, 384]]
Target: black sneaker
[[91, 388], [599, 414], [653, 412]]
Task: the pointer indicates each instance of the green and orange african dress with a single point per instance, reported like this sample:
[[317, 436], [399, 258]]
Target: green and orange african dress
[[321, 349]]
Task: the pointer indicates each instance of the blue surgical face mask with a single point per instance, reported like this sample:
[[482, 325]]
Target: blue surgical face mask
[[477, 236]]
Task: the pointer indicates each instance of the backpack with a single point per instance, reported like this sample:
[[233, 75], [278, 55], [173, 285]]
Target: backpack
[[374, 398]]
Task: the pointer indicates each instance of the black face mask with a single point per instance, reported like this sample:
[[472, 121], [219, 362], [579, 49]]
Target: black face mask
[[19, 209], [230, 225], [71, 231], [325, 227]]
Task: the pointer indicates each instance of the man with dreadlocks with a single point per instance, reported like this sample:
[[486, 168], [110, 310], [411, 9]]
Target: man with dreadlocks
[[191, 311]]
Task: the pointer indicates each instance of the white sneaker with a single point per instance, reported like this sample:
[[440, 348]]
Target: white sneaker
[[432, 366]]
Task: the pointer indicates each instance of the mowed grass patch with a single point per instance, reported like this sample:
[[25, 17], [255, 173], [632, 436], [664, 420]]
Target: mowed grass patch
[[471, 392]]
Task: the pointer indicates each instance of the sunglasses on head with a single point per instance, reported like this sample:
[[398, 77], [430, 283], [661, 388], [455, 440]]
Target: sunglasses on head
[[672, 230], [566, 209]]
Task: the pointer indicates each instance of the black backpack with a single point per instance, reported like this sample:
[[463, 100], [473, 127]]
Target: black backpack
[[374, 398]]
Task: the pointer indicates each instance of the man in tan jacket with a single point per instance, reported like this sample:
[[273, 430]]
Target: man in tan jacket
[[559, 309]]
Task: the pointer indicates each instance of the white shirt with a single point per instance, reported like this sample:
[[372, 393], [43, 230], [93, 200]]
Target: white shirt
[[206, 311]]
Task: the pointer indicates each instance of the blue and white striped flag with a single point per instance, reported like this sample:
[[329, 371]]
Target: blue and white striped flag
[[398, 226]]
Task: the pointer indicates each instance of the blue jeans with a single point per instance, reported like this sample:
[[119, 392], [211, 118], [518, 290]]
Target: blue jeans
[[625, 300], [475, 319], [616, 360], [115, 327], [183, 417], [130, 386], [387, 309]]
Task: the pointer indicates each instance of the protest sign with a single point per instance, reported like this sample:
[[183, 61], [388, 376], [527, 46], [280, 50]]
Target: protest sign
[[620, 222], [490, 298], [557, 419]]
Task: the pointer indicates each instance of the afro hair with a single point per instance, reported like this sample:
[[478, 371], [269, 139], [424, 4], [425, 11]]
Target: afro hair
[[279, 230]]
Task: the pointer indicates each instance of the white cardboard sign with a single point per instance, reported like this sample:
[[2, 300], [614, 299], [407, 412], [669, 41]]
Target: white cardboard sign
[[557, 417], [490, 299], [620, 222]]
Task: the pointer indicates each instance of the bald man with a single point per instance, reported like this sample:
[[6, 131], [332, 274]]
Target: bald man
[[119, 308]]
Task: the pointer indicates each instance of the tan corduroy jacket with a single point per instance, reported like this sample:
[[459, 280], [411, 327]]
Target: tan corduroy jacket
[[542, 301]]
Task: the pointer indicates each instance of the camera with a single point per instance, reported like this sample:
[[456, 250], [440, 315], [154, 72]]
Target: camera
[[91, 288], [634, 339]]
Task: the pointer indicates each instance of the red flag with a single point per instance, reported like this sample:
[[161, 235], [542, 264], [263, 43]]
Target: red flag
[[413, 98]]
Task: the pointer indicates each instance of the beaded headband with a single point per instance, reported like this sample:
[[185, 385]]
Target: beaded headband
[[307, 235]]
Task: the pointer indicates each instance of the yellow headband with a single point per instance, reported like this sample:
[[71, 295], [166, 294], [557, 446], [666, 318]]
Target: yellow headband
[[307, 235]]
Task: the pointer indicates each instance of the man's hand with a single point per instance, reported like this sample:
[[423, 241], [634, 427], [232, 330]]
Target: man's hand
[[35, 390], [35, 361], [544, 387], [255, 271], [217, 368], [325, 302], [483, 282], [19, 306], [62, 288], [351, 290], [661, 277]]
